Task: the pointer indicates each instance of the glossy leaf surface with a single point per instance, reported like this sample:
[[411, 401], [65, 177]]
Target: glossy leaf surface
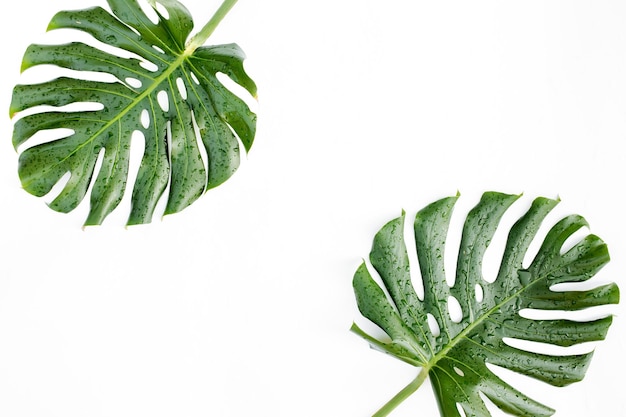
[[161, 87], [455, 360]]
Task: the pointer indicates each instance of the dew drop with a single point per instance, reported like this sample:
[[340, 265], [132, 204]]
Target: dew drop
[[524, 277]]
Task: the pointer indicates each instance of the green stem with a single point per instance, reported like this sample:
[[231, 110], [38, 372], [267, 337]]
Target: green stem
[[199, 38], [403, 395]]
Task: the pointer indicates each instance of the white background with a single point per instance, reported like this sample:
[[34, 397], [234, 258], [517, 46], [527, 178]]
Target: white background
[[241, 304]]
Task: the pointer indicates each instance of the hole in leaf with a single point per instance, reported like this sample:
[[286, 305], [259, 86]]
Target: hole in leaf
[[495, 410], [69, 108], [150, 66], [433, 325], [82, 106], [58, 187], [182, 89], [168, 135], [549, 349], [41, 73], [194, 78], [459, 372], [163, 100], [454, 309], [576, 286], [148, 11], [478, 292], [587, 314], [145, 119], [378, 279], [96, 169], [573, 240], [162, 202], [68, 180], [237, 90], [459, 408], [133, 82], [162, 10], [44, 136], [158, 49]]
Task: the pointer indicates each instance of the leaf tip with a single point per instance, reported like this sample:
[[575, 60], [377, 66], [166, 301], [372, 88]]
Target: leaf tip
[[25, 65], [54, 22], [614, 298]]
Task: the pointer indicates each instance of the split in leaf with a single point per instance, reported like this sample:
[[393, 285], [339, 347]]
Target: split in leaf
[[168, 90], [455, 358]]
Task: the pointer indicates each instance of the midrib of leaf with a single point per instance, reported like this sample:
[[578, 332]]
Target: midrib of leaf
[[423, 374], [120, 115], [194, 43], [454, 341]]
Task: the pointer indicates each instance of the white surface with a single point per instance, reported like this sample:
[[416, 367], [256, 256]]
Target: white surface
[[241, 304]]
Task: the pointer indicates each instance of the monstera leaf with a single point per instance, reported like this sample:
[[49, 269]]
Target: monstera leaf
[[455, 353], [166, 88]]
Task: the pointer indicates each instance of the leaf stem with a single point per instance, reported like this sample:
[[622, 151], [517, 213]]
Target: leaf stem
[[404, 394], [199, 38]]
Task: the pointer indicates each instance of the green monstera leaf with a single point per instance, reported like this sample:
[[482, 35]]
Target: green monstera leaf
[[455, 360], [167, 89]]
